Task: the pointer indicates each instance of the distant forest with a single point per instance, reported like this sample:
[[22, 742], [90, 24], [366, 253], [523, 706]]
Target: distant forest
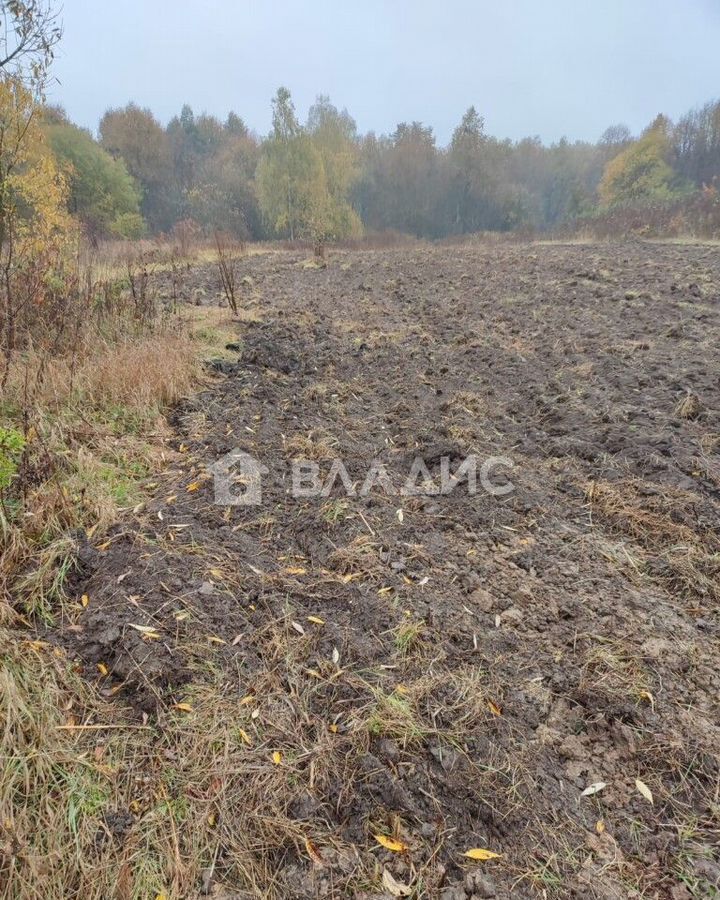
[[322, 180]]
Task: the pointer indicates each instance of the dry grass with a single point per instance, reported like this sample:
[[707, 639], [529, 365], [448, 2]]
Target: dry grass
[[142, 373], [662, 522], [315, 445], [97, 430], [690, 406], [94, 804]]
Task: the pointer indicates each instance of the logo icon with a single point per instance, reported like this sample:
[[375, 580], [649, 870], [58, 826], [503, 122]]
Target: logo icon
[[238, 479]]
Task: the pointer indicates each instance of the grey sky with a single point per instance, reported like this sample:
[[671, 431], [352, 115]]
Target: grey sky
[[553, 68]]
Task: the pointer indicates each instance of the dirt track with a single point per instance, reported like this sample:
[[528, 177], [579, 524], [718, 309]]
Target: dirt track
[[472, 663]]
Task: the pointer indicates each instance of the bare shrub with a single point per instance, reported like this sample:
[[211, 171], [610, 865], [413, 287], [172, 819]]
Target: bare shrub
[[226, 260], [185, 234]]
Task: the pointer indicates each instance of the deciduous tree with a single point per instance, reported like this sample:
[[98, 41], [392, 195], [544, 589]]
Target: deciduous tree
[[102, 193]]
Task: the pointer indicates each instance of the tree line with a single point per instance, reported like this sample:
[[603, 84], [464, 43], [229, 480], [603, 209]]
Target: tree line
[[323, 180]]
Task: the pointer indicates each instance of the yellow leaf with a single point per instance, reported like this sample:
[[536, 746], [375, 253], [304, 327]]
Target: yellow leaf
[[102, 668], [316, 620], [390, 843], [211, 820], [84, 600], [277, 757], [481, 853], [646, 695], [494, 708], [644, 790], [244, 736], [295, 570], [183, 707], [333, 728], [216, 640], [247, 699], [192, 487], [600, 826]]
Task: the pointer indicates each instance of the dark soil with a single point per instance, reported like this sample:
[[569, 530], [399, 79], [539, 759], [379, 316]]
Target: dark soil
[[497, 655]]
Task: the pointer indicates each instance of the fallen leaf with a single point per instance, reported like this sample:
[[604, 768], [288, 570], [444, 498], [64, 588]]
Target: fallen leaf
[[646, 695], [298, 627], [395, 887], [316, 620], [244, 736], [314, 853], [84, 600], [146, 631], [644, 790], [295, 570], [215, 640], [481, 853], [400, 516], [593, 788], [183, 707], [277, 757], [102, 668], [390, 843], [336, 655], [192, 487], [600, 826], [494, 708], [333, 728]]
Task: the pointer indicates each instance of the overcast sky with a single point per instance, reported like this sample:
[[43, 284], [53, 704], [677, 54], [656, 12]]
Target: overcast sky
[[552, 68]]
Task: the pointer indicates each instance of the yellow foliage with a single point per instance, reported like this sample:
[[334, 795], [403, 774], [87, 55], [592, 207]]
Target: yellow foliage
[[33, 191], [639, 173]]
